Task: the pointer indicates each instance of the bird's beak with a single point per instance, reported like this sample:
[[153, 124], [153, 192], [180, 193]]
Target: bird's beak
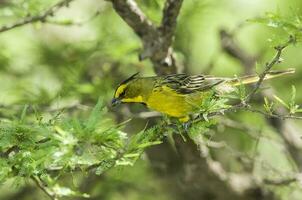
[[115, 102]]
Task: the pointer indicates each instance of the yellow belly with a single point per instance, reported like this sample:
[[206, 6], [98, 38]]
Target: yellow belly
[[168, 102]]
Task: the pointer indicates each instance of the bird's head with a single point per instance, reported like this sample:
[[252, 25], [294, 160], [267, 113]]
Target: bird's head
[[129, 91]]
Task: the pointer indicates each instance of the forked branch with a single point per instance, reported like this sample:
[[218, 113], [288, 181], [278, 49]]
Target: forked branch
[[36, 18], [157, 41]]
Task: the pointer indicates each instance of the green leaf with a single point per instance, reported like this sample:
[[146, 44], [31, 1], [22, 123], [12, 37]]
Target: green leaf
[[67, 192], [290, 24], [281, 101], [268, 106], [201, 127], [240, 90], [23, 114], [132, 155], [104, 166], [148, 144], [293, 97], [95, 115]]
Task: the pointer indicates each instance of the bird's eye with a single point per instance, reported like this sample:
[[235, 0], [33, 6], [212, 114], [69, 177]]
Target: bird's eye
[[123, 93]]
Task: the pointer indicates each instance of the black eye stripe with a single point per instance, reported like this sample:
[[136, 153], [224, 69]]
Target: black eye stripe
[[123, 93]]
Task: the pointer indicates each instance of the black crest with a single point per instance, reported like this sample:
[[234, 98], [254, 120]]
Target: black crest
[[129, 79]]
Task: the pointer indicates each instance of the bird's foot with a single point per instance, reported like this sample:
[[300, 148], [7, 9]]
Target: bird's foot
[[186, 126]]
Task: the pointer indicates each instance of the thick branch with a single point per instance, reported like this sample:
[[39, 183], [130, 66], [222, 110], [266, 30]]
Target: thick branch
[[163, 57], [230, 46], [169, 20], [37, 18], [157, 42], [134, 17]]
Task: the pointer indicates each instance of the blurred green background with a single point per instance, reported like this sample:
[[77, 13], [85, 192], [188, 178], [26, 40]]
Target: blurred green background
[[86, 49]]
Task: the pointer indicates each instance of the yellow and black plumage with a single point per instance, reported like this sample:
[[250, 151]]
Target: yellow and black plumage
[[179, 95]]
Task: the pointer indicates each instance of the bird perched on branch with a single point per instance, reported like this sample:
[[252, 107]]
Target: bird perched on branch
[[180, 95]]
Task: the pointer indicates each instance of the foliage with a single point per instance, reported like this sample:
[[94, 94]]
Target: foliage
[[32, 146], [290, 24], [59, 134], [291, 106]]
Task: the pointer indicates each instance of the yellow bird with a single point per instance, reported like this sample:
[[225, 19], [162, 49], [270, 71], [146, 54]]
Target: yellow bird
[[180, 95]]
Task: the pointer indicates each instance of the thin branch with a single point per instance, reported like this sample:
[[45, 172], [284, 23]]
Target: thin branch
[[287, 129], [37, 18], [247, 107], [113, 162], [46, 190], [245, 104], [271, 115], [10, 150], [74, 23], [146, 115], [276, 59], [280, 182], [81, 168]]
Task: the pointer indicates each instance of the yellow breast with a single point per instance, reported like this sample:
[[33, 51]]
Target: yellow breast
[[171, 103]]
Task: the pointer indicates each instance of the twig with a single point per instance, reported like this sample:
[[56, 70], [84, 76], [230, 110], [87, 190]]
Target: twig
[[247, 107], [271, 115], [5, 154], [80, 168], [276, 59], [40, 185], [113, 162], [286, 128], [37, 18], [146, 115], [245, 104], [75, 23], [280, 182]]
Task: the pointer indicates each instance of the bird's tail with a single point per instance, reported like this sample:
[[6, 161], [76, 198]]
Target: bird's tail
[[254, 78]]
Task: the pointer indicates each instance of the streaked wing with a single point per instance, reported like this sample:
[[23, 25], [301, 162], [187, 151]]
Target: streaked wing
[[185, 84]]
